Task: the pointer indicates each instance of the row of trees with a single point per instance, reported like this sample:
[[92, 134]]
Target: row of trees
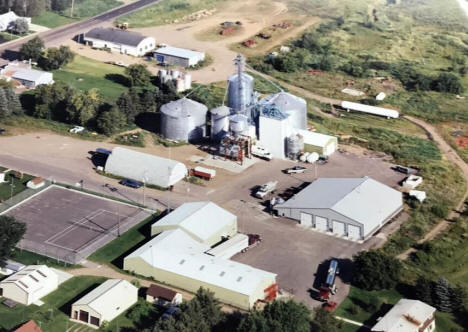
[[28, 8], [48, 59], [441, 294], [11, 232], [9, 101], [203, 314]]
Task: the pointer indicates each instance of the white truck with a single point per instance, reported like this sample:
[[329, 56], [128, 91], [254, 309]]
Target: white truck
[[261, 152], [265, 189]]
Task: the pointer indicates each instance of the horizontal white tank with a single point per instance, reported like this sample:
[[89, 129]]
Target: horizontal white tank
[[389, 113]]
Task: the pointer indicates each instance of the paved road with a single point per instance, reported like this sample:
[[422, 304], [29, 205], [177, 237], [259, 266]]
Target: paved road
[[55, 36]]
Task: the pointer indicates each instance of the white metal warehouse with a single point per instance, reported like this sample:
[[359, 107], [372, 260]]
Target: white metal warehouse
[[30, 284], [354, 208], [104, 303], [144, 167], [178, 56], [320, 143], [178, 256]]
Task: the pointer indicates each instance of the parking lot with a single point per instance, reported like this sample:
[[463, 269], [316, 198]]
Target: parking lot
[[70, 225]]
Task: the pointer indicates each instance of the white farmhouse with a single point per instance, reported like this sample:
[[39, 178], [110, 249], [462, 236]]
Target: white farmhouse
[[104, 303], [125, 42], [29, 284]]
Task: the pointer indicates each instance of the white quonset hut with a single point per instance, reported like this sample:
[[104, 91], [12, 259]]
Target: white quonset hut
[[320, 143], [178, 56], [117, 40], [205, 222], [183, 120], [354, 208], [31, 78], [29, 285], [388, 113], [407, 316], [104, 303], [145, 167], [177, 256], [292, 105]]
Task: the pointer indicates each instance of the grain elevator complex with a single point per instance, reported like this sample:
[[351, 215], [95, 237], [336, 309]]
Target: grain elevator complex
[[276, 123]]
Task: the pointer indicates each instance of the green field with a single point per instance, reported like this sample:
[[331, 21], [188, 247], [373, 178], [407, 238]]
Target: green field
[[53, 315], [85, 74], [13, 186], [114, 251], [166, 11], [52, 19]]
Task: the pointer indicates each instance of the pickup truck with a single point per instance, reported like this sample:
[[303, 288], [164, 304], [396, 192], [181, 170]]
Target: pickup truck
[[295, 170], [265, 189], [261, 152]]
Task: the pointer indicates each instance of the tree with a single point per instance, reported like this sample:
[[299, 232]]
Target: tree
[[14, 104], [20, 26], [325, 322], [128, 104], [110, 121], [442, 295], [458, 298], [374, 270], [447, 82], [138, 75], [55, 58], [11, 232], [423, 290], [32, 49], [4, 110]]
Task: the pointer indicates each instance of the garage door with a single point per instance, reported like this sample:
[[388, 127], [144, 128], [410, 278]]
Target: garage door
[[354, 232], [321, 223], [338, 228], [306, 219]]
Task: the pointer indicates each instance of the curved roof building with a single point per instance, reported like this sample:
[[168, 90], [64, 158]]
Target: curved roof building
[[292, 105]]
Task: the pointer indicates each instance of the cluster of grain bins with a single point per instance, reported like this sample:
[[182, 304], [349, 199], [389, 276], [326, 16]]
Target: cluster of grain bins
[[181, 80]]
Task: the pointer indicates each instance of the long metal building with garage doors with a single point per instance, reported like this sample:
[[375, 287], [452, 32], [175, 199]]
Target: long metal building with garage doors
[[352, 208]]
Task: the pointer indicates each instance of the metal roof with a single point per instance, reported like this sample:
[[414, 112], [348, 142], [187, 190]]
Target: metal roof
[[33, 278], [199, 219], [157, 291], [370, 109], [405, 316], [316, 139], [116, 36], [220, 111], [363, 200], [106, 299], [273, 112], [179, 52], [285, 101], [31, 75], [145, 167], [183, 108]]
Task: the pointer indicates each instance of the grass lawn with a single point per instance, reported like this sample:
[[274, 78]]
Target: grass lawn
[[51, 19], [131, 139], [357, 305], [53, 315], [18, 185], [30, 258], [85, 74], [166, 11], [115, 251]]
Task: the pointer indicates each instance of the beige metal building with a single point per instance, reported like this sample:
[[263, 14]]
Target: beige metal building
[[29, 285], [205, 222], [178, 256], [104, 303]]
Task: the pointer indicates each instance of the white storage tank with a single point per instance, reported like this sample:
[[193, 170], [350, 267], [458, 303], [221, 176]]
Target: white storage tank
[[313, 157], [238, 124], [240, 91], [219, 122], [294, 146], [183, 120], [292, 105]]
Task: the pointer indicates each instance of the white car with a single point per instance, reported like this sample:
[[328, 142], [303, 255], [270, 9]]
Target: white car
[[76, 130], [261, 152]]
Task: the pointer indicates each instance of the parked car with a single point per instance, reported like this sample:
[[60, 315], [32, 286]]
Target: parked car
[[266, 189], [131, 183], [295, 170], [76, 130], [261, 152], [170, 312]]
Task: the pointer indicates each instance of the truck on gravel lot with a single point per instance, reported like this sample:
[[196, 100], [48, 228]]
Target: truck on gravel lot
[[329, 287], [261, 152], [266, 189], [204, 173]]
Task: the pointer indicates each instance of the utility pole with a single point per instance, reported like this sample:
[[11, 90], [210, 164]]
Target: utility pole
[[71, 10]]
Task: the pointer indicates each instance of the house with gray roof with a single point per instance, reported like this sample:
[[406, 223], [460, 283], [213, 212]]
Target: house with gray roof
[[117, 40], [352, 208], [31, 78]]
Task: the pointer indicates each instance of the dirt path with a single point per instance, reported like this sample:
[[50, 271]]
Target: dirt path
[[451, 155]]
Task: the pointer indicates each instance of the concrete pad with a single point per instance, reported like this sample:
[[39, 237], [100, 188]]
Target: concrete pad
[[220, 162]]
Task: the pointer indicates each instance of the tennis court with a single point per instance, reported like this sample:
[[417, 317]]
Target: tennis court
[[70, 225]]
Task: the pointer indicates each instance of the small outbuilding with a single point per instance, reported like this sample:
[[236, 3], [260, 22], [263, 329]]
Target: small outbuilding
[[322, 144], [36, 183], [353, 208], [175, 56], [30, 326], [163, 296], [146, 168], [31, 78], [29, 285], [117, 40], [407, 316], [104, 303]]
